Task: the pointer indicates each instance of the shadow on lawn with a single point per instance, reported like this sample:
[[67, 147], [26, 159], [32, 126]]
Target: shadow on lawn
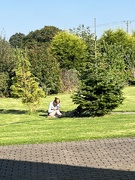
[[25, 170], [66, 114], [16, 111], [13, 111]]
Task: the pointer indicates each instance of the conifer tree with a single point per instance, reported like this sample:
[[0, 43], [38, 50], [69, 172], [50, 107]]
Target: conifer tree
[[102, 80], [25, 86]]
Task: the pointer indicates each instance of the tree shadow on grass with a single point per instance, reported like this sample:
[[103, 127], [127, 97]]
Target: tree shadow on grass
[[74, 114], [13, 111], [25, 170], [1, 110], [16, 111], [42, 112]]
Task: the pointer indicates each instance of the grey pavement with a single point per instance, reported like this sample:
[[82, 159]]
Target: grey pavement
[[107, 159]]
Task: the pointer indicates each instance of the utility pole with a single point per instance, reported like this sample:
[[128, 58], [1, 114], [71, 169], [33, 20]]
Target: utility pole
[[127, 24]]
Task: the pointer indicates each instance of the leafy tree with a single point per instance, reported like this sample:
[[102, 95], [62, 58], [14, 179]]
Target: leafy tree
[[40, 37], [6, 56], [125, 45], [101, 86], [118, 36], [6, 66], [85, 34], [69, 50], [133, 34], [4, 84], [16, 40], [25, 85], [46, 68]]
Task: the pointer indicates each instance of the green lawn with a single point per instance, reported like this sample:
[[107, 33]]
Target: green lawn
[[18, 127], [129, 102]]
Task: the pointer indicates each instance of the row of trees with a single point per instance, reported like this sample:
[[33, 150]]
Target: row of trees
[[62, 61]]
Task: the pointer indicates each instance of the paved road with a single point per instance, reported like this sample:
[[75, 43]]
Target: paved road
[[108, 159]]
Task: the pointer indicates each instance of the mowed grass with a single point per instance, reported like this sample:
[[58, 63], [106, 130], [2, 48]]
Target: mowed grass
[[18, 127], [129, 101]]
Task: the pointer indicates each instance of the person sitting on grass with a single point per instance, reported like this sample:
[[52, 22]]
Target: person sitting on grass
[[54, 108]]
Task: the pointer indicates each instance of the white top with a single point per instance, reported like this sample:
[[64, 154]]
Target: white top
[[51, 107]]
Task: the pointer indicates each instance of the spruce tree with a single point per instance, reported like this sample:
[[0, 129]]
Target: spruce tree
[[101, 83]]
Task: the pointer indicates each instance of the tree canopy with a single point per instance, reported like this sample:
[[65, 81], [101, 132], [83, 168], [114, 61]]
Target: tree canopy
[[6, 67], [69, 50], [47, 69], [40, 37], [125, 45], [16, 40]]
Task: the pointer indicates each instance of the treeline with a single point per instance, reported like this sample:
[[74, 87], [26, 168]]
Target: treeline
[[57, 57]]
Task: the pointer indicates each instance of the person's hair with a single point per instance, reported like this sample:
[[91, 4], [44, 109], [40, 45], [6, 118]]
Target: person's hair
[[55, 101]]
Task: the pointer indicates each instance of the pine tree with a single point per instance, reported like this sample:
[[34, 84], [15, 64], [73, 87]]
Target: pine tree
[[25, 86], [102, 80]]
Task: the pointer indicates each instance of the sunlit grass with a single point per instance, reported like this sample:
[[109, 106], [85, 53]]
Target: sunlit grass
[[128, 104], [18, 127]]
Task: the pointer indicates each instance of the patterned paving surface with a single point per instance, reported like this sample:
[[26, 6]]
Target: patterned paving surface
[[83, 160]]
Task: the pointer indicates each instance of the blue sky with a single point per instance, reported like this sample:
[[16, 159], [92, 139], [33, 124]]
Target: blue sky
[[23, 16]]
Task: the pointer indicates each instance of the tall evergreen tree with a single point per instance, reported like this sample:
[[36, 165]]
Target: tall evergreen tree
[[102, 80]]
